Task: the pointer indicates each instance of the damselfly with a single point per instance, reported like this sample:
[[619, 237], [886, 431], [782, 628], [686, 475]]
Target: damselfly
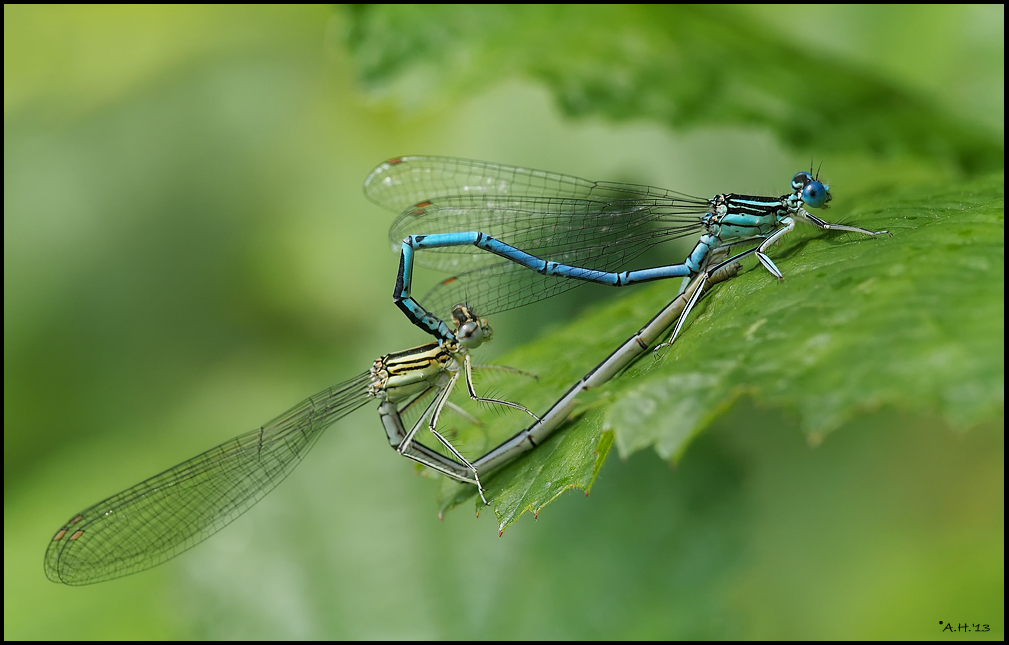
[[170, 512], [541, 233]]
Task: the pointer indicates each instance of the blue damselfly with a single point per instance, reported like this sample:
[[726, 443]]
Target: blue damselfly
[[540, 233]]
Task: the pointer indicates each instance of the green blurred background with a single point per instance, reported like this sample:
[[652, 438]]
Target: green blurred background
[[187, 252]]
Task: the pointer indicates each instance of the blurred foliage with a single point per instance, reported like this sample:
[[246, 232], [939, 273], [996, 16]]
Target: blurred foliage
[[187, 252], [682, 66]]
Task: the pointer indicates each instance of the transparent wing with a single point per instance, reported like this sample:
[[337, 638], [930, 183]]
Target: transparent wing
[[400, 183], [600, 226], [163, 516], [603, 233]]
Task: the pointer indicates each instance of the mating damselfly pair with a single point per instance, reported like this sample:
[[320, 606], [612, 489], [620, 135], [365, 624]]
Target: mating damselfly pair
[[512, 236]]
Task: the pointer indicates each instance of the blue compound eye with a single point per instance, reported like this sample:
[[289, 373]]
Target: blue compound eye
[[800, 180], [815, 194]]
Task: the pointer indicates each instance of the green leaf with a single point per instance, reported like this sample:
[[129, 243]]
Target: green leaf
[[910, 322], [681, 66]]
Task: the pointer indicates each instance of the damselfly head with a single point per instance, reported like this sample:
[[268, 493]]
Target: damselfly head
[[470, 330], [812, 192]]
